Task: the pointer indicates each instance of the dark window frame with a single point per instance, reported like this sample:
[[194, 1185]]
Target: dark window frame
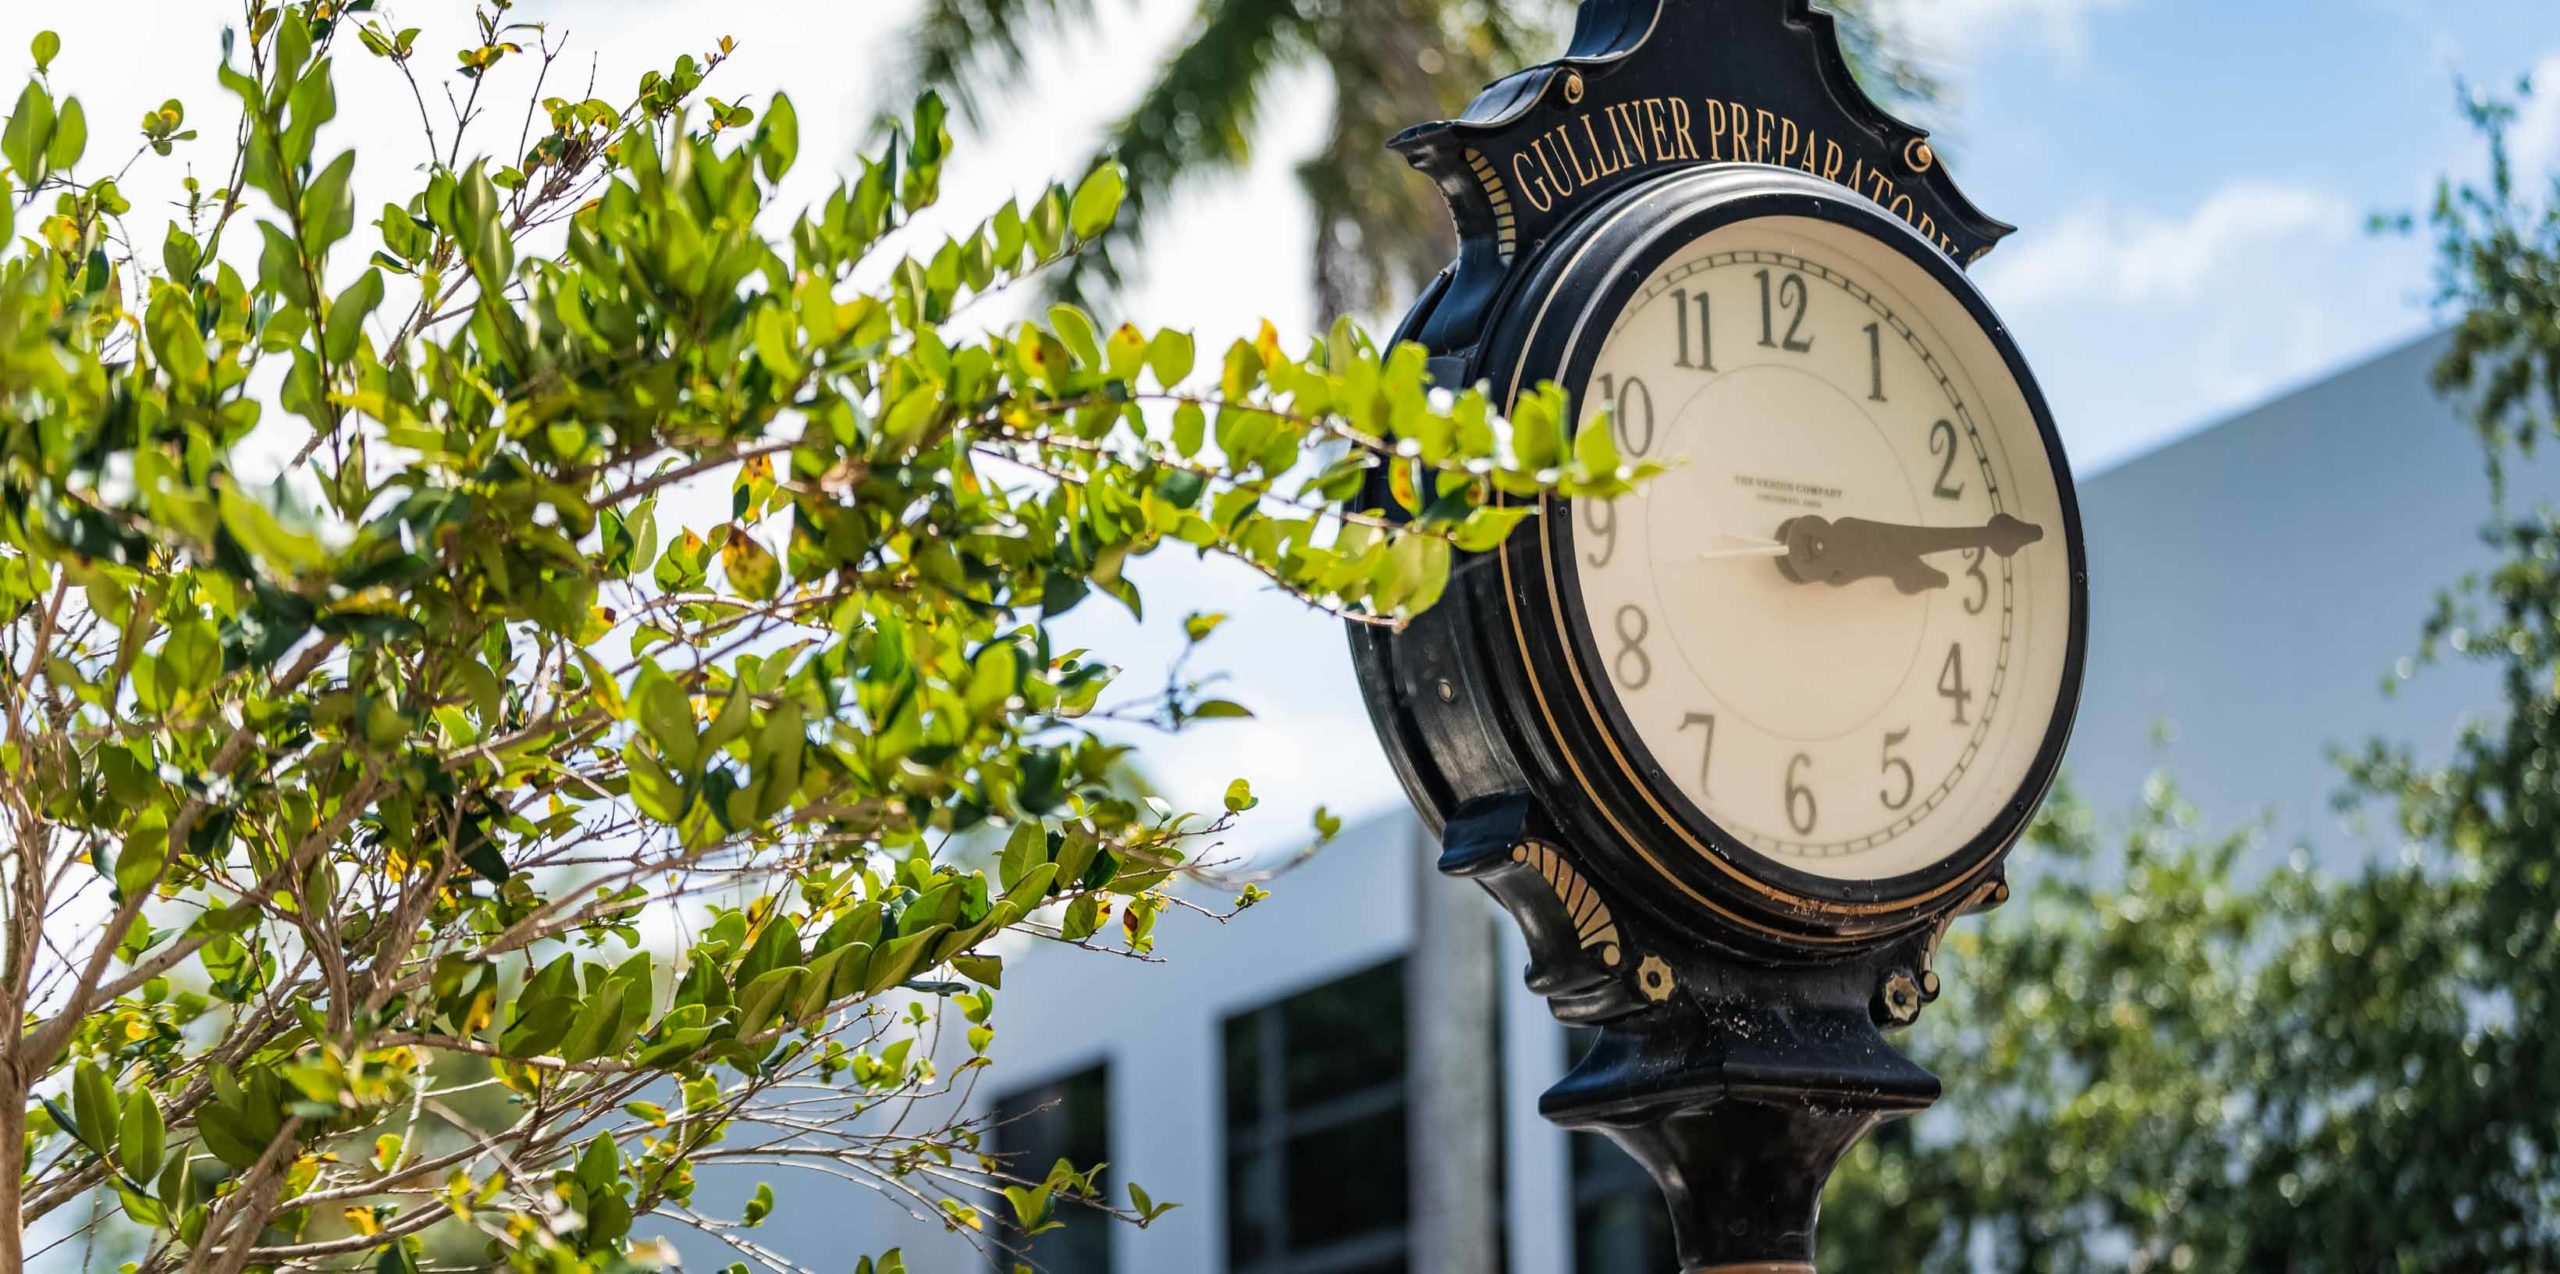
[[1029, 1102], [1263, 1130]]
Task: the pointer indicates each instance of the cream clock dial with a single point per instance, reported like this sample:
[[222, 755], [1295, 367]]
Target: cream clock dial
[[1838, 624]]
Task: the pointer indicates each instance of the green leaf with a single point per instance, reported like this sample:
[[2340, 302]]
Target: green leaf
[[774, 344], [94, 1101], [1486, 528], [1097, 201], [328, 205], [1040, 790], [1240, 796], [138, 864], [1047, 225], [481, 854], [758, 1207], [593, 1029], [144, 1137], [62, 1118], [760, 1002], [1026, 848], [1595, 446], [179, 254], [70, 136], [1147, 1208], [1190, 428], [1170, 357], [1060, 592], [778, 142], [258, 531], [347, 314], [907, 419], [46, 47], [666, 716], [1031, 1206], [1535, 442], [1075, 328], [192, 656], [983, 970], [895, 961], [29, 133], [1083, 918], [653, 790]]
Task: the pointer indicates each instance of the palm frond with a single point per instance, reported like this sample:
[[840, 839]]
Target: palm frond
[[961, 47], [1197, 119], [1381, 229]]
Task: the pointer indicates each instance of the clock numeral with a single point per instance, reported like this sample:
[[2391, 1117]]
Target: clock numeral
[[1942, 442], [1789, 295], [1892, 763], [1981, 582], [1600, 517], [1802, 810], [1707, 753], [1875, 356], [1635, 668], [1951, 682], [1630, 404], [1705, 360]]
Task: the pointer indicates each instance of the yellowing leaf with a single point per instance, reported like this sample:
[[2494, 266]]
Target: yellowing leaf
[[1097, 201], [751, 567]]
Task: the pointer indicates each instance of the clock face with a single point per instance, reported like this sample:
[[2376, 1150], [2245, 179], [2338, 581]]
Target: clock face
[[1837, 629]]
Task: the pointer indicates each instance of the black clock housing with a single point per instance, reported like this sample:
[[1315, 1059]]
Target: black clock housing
[[1742, 1005], [1484, 702]]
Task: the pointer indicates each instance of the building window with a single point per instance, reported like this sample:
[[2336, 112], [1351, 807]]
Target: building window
[[1036, 1127], [1619, 1221], [1315, 1116]]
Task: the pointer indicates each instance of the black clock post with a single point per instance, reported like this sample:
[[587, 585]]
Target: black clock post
[[1742, 1005]]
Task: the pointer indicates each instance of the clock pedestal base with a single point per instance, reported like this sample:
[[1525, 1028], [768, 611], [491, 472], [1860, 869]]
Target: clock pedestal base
[[1741, 1136], [1738, 1084]]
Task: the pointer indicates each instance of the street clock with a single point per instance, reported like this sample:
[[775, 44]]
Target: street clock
[[1735, 748]]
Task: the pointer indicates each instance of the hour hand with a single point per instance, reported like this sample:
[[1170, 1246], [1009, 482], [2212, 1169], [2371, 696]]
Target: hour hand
[[1822, 551]]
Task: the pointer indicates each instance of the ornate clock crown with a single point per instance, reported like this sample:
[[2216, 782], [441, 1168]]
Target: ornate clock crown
[[1648, 85]]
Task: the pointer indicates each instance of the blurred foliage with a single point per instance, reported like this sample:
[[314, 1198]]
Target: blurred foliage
[[1381, 230], [489, 683], [2158, 1059]]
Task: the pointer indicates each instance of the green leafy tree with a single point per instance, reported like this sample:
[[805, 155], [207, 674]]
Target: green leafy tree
[[1380, 230], [2160, 1059], [488, 684]]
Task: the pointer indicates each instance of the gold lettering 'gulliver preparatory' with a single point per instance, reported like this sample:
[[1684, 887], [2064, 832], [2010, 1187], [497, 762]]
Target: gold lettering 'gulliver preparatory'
[[1594, 145]]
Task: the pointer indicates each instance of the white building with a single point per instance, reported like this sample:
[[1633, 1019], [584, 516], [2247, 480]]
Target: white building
[[2251, 586]]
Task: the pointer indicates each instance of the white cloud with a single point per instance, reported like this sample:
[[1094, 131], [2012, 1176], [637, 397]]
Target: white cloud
[[2536, 139], [1945, 30], [2114, 257], [2163, 320]]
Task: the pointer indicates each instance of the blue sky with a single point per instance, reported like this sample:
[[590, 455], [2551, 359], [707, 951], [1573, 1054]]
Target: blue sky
[[2192, 179]]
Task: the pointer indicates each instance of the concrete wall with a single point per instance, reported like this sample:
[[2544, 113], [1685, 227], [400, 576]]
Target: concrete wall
[[2252, 585]]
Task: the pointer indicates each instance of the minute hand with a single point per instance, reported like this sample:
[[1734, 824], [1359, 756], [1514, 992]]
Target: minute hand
[[1821, 551]]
